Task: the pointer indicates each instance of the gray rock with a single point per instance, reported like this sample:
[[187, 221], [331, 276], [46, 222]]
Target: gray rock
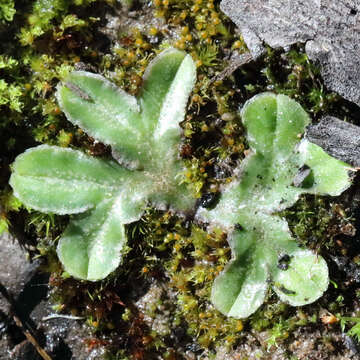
[[67, 339], [13, 266], [338, 138], [62, 338], [330, 29]]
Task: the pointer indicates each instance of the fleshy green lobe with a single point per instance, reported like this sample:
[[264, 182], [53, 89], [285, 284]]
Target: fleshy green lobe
[[168, 81], [144, 134], [141, 130], [91, 246], [278, 170], [304, 281], [104, 111], [260, 122], [244, 281], [63, 181], [331, 176]]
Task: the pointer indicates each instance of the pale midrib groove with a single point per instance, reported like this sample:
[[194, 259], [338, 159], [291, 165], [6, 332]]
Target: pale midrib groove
[[247, 271], [84, 182], [272, 155], [99, 229], [108, 108]]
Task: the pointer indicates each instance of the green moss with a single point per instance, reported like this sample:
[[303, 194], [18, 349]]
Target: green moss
[[40, 47], [46, 14], [316, 221], [197, 259], [7, 11]]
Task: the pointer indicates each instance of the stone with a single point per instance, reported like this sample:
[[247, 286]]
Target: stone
[[330, 30], [338, 138], [12, 267]]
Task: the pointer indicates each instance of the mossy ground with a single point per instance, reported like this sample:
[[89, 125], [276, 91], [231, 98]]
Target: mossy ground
[[41, 47]]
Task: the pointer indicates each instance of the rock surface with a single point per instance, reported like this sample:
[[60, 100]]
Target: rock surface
[[13, 267], [338, 138], [63, 339], [330, 29]]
